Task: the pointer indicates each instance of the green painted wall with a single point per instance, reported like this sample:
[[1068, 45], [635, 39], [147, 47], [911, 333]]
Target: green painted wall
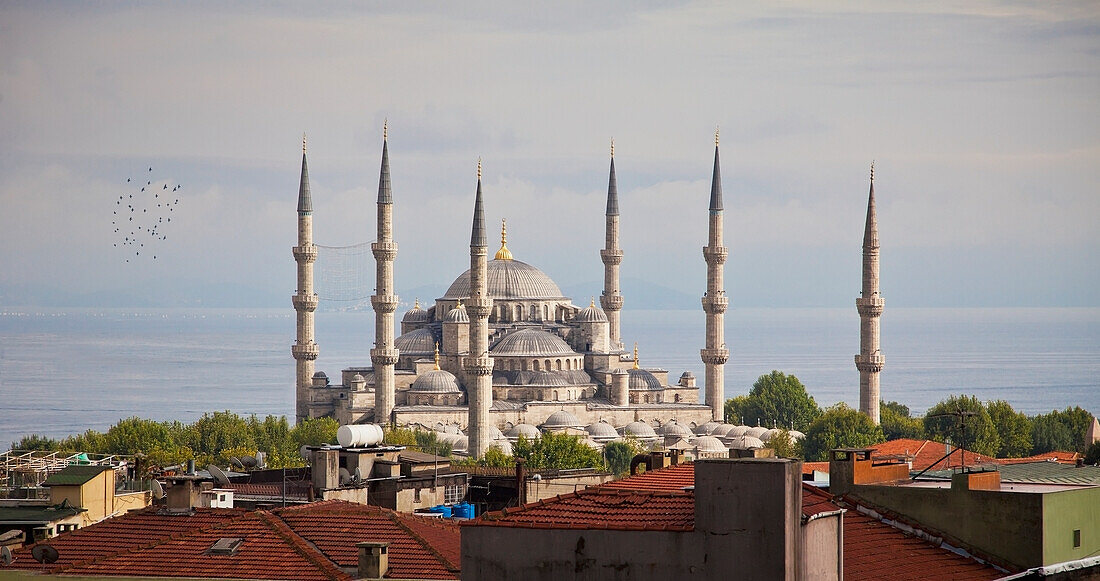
[[1063, 512]]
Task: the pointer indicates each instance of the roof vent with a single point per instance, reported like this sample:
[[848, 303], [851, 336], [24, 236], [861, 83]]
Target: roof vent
[[226, 546]]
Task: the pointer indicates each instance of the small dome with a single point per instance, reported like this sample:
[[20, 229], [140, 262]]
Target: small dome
[[756, 432], [704, 429], [640, 430], [495, 433], [502, 445], [531, 342], [457, 315], [674, 429], [358, 378], [687, 375], [592, 444], [797, 435], [591, 314], [415, 315], [769, 434], [418, 342], [601, 430], [561, 419], [320, 375], [746, 443], [640, 379], [526, 430], [709, 444], [736, 431], [546, 378], [435, 381], [721, 430]]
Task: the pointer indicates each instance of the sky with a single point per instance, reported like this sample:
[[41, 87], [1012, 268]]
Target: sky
[[983, 120]]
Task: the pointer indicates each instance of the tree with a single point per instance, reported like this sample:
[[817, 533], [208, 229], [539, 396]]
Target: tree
[[1092, 453], [619, 454], [35, 442], [429, 443], [1014, 429], [1061, 430], [839, 427], [561, 451], [734, 410], [965, 422], [784, 445], [314, 432], [897, 423], [776, 399]]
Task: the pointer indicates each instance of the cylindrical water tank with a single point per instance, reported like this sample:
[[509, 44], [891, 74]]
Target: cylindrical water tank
[[359, 435]]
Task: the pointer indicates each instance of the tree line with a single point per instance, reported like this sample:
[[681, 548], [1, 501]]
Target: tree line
[[990, 428]]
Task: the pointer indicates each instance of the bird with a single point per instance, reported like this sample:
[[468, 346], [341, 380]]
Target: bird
[[166, 186], [148, 183], [150, 169], [127, 180], [142, 189]]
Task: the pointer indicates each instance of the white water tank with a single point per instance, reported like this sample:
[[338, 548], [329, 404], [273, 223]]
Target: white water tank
[[359, 435]]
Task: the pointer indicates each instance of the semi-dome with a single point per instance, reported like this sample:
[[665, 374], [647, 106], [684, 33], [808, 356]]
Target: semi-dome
[[435, 381], [418, 342], [457, 315], [674, 429], [509, 279], [640, 430], [591, 314], [548, 378], [531, 342], [601, 430], [709, 444], [415, 315], [640, 379], [526, 430], [561, 419]]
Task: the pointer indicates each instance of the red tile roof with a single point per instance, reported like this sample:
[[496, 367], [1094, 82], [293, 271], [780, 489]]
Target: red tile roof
[[311, 541], [872, 548], [927, 454], [602, 508]]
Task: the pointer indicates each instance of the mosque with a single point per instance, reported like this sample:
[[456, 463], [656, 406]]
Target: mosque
[[503, 352]]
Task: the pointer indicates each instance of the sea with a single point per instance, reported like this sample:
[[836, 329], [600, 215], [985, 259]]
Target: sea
[[64, 371]]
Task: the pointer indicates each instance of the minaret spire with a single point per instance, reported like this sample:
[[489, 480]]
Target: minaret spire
[[304, 350], [715, 302], [870, 305], [478, 366], [612, 256], [384, 301]]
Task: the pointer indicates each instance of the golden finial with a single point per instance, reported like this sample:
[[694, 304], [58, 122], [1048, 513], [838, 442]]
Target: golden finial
[[437, 356], [716, 136], [592, 303], [636, 355], [385, 129], [872, 170], [612, 147], [416, 303], [303, 143], [479, 169], [459, 305], [504, 253]]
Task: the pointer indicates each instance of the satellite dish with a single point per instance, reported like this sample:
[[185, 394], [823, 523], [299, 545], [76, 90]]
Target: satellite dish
[[304, 452], [44, 554], [345, 476], [237, 462], [249, 461], [5, 555], [158, 490], [358, 475], [218, 474], [261, 460]]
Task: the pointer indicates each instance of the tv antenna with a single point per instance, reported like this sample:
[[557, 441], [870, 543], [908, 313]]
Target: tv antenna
[[960, 424]]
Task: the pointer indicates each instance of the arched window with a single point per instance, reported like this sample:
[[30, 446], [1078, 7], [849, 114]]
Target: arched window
[[545, 312], [556, 395], [535, 365], [677, 398], [557, 364], [548, 368], [519, 313]]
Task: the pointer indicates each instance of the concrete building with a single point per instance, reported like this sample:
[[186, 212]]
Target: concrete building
[[870, 304]]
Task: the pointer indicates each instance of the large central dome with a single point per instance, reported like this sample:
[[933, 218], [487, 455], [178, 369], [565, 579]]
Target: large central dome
[[510, 280]]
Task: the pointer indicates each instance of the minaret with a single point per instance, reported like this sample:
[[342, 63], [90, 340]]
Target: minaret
[[715, 301], [304, 349], [384, 301], [612, 300], [870, 361], [478, 365]]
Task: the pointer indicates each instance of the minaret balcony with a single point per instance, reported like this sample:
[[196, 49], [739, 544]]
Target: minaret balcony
[[385, 251], [870, 306], [715, 254], [611, 302], [306, 303], [611, 257], [716, 304], [308, 351], [479, 307], [384, 303], [714, 356], [872, 363], [307, 253], [478, 365], [380, 356]]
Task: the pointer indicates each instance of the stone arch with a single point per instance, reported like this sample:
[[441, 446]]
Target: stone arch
[[548, 367], [535, 365], [557, 364]]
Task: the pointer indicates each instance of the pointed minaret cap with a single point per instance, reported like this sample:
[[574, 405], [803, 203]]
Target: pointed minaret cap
[[385, 195], [477, 234], [504, 253], [612, 187], [305, 202], [636, 356], [716, 180], [437, 356], [870, 230]]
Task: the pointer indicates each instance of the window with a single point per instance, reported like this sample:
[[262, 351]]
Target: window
[[416, 495], [1077, 538], [453, 493]]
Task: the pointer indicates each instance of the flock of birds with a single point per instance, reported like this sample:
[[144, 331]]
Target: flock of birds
[[141, 217]]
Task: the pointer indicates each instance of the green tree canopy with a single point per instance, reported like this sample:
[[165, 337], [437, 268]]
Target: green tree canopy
[[964, 421], [784, 445], [619, 454], [1060, 430], [1014, 429], [775, 399], [897, 423], [839, 427], [560, 451]]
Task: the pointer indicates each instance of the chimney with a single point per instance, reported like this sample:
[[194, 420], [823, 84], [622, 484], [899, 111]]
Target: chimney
[[521, 482], [182, 495], [326, 469], [374, 561]]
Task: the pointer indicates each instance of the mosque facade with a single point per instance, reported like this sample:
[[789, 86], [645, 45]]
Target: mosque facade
[[504, 351]]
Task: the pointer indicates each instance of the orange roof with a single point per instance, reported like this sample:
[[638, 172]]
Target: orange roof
[[927, 454], [872, 548], [310, 541]]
